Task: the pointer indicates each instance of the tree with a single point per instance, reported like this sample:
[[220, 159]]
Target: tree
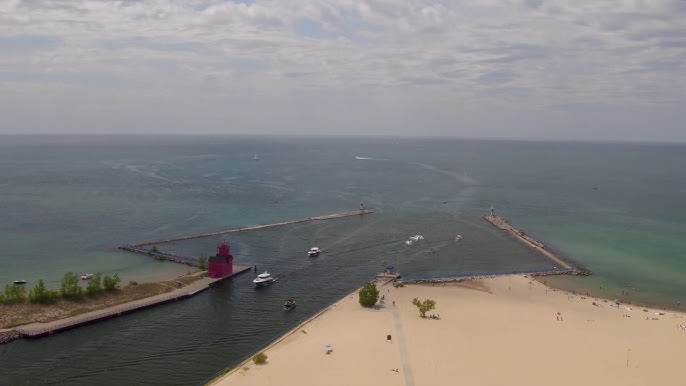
[[369, 294], [202, 262], [40, 294], [94, 285], [70, 286], [14, 294], [260, 358], [111, 283], [424, 306]]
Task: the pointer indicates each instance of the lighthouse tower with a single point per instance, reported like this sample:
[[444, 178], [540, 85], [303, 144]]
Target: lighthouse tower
[[221, 264]]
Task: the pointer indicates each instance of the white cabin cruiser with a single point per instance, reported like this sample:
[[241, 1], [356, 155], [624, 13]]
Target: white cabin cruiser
[[314, 251], [263, 279]]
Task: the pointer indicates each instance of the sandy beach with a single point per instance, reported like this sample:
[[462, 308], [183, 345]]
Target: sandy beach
[[500, 331]]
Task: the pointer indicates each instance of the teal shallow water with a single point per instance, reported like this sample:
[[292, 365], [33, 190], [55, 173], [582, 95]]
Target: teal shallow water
[[67, 202]]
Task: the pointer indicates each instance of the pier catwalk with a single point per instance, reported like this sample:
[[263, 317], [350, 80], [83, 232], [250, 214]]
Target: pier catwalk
[[252, 228]]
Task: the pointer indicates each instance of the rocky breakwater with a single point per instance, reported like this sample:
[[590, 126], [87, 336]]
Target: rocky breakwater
[[9, 335]]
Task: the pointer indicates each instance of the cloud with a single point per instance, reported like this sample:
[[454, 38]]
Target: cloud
[[380, 67]]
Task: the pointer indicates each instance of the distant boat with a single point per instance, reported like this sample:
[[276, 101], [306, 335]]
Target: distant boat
[[20, 282], [289, 305], [458, 238], [256, 157], [314, 251], [86, 276], [264, 279]]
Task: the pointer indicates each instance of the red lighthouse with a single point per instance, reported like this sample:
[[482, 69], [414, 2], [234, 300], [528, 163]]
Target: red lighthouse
[[220, 265]]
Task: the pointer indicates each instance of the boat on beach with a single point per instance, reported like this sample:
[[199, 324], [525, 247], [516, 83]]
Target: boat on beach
[[289, 305], [314, 251], [86, 276], [263, 279]]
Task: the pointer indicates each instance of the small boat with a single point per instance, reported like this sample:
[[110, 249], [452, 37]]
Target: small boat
[[289, 305], [86, 276], [314, 251], [20, 282], [458, 238], [263, 279], [256, 157]]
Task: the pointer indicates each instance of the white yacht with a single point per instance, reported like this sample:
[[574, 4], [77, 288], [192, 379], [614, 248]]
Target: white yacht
[[314, 251], [86, 276], [263, 279]]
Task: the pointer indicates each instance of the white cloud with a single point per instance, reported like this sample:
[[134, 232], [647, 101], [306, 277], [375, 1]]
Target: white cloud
[[519, 68]]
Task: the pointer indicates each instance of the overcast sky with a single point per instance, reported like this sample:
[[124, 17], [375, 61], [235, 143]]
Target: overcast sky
[[549, 69]]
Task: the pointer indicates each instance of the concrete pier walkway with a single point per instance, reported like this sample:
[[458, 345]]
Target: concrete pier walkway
[[35, 330]]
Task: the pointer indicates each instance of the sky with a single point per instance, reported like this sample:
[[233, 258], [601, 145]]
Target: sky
[[523, 69]]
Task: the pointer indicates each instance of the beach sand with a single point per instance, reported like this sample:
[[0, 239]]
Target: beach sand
[[498, 331]]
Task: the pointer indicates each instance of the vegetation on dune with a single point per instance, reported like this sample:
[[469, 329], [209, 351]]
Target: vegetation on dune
[[40, 294], [70, 288], [111, 283], [260, 358], [13, 294], [202, 262], [94, 285]]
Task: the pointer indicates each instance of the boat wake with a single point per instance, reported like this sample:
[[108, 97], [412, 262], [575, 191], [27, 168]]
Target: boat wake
[[370, 159], [414, 239]]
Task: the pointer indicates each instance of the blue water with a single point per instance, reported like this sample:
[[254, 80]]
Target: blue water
[[67, 202]]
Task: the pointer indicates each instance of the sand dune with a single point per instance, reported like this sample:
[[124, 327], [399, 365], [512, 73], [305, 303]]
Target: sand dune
[[501, 331]]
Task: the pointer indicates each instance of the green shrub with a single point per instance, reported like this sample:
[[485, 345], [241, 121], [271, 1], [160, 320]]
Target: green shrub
[[260, 358], [111, 283], [424, 306], [14, 294], [40, 294], [369, 294], [70, 286], [94, 285], [202, 262]]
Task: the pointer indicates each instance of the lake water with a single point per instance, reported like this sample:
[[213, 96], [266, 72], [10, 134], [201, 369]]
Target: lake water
[[68, 202]]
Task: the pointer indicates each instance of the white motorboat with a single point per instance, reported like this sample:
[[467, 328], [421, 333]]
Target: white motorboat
[[20, 282], [263, 279], [86, 276], [314, 251], [458, 238]]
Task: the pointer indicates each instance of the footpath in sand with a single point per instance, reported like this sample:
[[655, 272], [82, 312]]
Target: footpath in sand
[[500, 331]]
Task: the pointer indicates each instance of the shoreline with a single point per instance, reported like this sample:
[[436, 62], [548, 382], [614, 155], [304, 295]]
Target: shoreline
[[469, 310], [237, 365]]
